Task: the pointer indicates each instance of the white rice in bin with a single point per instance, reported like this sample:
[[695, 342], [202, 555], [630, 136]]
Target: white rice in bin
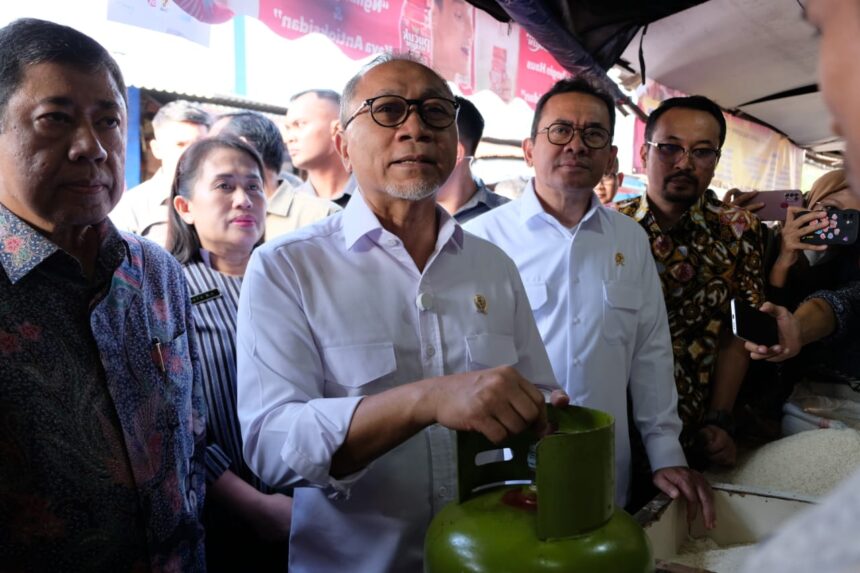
[[704, 553], [808, 463]]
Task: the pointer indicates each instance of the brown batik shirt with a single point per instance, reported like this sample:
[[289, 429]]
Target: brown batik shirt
[[712, 254]]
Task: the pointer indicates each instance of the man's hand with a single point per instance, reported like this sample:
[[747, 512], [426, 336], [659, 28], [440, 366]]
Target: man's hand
[[497, 402], [719, 446], [681, 481], [743, 199], [789, 336]]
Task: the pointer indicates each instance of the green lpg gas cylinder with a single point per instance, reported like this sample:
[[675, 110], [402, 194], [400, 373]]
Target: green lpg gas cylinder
[[539, 506]]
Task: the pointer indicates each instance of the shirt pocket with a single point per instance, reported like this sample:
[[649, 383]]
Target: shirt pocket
[[164, 369], [358, 365], [490, 350], [621, 303], [537, 294]]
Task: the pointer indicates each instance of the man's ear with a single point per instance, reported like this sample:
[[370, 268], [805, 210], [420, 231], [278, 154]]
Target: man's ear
[[342, 146], [182, 207], [643, 154], [155, 148], [613, 153], [461, 152], [528, 149], [335, 127]]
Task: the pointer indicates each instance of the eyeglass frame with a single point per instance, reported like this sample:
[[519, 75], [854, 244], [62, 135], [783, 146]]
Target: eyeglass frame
[[574, 129], [368, 103], [685, 152]]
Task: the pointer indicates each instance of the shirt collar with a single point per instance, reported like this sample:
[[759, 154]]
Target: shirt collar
[[480, 196], [348, 190], [360, 221], [281, 201], [695, 214], [531, 207], [22, 248]]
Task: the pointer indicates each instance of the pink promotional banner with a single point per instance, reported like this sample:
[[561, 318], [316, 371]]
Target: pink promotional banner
[[441, 33]]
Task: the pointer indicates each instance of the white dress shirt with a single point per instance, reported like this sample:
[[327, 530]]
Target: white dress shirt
[[336, 311], [598, 304]]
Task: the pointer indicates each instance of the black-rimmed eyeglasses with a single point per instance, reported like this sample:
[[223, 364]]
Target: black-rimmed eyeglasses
[[393, 110], [672, 153], [560, 133]]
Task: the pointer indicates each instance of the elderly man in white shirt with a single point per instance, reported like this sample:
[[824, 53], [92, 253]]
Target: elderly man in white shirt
[[391, 327], [593, 286]]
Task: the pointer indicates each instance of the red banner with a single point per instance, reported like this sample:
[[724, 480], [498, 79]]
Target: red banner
[[442, 33], [538, 70]]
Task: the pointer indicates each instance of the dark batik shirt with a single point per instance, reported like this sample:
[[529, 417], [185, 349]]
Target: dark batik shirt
[[98, 468], [712, 254]]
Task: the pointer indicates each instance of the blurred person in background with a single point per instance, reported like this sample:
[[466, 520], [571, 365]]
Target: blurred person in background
[[464, 195], [608, 185], [287, 209], [143, 209], [217, 219], [311, 122]]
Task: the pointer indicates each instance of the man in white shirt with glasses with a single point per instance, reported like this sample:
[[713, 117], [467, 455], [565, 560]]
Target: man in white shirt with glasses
[[593, 287], [393, 327]]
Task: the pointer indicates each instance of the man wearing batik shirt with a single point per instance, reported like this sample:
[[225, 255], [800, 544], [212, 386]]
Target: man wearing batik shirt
[[707, 252], [101, 409]]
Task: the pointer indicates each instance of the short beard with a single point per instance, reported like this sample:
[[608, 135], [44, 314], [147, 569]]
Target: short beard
[[412, 191]]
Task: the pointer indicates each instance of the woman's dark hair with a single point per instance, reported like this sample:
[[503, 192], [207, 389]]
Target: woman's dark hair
[[182, 239]]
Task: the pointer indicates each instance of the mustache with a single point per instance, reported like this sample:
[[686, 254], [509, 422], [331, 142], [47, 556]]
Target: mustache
[[682, 176]]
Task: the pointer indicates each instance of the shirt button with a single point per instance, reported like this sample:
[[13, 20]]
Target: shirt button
[[430, 351], [443, 491], [574, 280], [576, 362], [392, 242], [575, 320], [424, 301]]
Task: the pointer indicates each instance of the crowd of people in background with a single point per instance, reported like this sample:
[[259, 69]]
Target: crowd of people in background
[[275, 365]]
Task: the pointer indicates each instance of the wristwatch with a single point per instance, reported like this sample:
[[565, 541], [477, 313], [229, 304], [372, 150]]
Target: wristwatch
[[721, 419]]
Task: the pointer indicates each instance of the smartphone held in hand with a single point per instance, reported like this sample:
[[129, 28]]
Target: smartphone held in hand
[[776, 203], [841, 230], [753, 325]]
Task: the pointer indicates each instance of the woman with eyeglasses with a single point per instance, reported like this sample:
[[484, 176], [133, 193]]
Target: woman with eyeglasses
[[216, 221]]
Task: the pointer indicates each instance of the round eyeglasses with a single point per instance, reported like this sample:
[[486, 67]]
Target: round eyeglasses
[[560, 133], [671, 153], [393, 110]]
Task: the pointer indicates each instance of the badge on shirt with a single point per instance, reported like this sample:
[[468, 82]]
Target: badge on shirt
[[205, 296], [619, 259], [480, 303]]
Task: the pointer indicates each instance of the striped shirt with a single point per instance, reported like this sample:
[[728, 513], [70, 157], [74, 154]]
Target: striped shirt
[[215, 300]]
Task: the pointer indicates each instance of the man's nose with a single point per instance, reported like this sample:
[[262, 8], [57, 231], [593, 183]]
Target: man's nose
[[413, 126], [86, 144]]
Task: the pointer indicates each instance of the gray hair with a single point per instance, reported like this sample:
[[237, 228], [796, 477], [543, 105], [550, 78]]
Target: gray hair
[[181, 111], [352, 85]]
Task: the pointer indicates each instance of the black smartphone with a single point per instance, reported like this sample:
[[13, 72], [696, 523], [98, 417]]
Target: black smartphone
[[753, 325], [842, 229]]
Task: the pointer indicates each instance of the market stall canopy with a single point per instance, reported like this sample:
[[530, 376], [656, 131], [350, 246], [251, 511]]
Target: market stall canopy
[[757, 57]]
